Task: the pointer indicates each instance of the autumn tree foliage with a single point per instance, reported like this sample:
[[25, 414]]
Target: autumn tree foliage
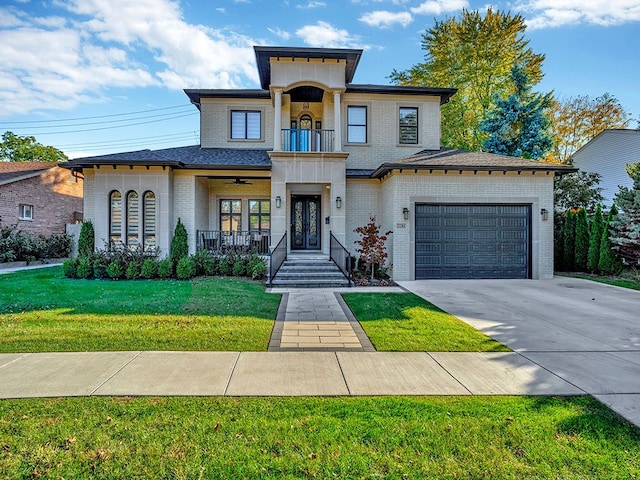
[[474, 53], [15, 148], [576, 120], [371, 245]]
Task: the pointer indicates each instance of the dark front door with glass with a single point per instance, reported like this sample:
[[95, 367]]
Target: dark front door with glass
[[305, 222]]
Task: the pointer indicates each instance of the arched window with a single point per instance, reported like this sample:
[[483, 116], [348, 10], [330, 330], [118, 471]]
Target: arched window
[[133, 219], [115, 217], [149, 219]]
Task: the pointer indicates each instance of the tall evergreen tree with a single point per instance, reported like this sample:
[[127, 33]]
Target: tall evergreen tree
[[518, 126], [609, 263], [626, 225], [569, 242], [582, 240], [473, 52], [179, 243], [595, 238]]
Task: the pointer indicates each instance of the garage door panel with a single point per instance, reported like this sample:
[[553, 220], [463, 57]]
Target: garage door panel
[[472, 241]]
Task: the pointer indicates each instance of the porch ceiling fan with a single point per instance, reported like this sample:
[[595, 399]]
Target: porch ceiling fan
[[239, 181]]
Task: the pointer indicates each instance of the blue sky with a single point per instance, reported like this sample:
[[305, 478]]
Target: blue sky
[[103, 76]]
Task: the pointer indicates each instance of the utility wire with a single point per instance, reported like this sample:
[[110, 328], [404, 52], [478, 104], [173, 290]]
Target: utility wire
[[128, 140]]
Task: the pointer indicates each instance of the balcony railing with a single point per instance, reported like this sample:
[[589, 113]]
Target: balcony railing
[[221, 242], [303, 140]]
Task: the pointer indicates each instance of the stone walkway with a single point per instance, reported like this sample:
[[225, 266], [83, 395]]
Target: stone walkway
[[318, 320]]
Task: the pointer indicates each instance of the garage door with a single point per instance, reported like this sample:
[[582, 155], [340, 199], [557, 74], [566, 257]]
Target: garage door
[[472, 241]]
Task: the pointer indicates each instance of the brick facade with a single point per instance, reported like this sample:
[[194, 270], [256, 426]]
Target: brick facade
[[55, 194]]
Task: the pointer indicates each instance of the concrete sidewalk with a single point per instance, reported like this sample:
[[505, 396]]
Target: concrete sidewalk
[[274, 374]]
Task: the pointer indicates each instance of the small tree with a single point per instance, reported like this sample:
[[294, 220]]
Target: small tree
[[86, 239], [179, 243], [595, 238], [609, 262], [371, 245], [569, 242], [582, 240]]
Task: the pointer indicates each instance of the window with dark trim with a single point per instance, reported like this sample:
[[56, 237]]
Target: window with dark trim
[[408, 125], [259, 215], [133, 219], [115, 217], [246, 125], [149, 220], [230, 215], [25, 212], [356, 124]]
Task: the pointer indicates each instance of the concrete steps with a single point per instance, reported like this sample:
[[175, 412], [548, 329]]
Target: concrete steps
[[309, 273]]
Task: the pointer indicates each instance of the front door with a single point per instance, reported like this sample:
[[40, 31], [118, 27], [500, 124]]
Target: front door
[[305, 222]]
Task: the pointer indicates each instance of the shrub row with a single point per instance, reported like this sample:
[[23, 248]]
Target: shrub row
[[118, 263], [17, 245]]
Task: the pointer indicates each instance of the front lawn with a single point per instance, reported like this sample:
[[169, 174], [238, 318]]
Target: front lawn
[[616, 281], [382, 437], [407, 323], [41, 311]]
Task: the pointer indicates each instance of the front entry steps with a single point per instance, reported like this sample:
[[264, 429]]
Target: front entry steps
[[309, 273]]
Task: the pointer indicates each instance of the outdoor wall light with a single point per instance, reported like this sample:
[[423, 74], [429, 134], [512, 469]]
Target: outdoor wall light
[[405, 213], [545, 214], [338, 202], [278, 201]]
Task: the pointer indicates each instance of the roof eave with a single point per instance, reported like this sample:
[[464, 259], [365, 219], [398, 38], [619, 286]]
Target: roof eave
[[385, 168]]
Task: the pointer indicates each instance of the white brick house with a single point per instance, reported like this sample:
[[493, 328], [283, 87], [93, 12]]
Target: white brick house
[[311, 154]]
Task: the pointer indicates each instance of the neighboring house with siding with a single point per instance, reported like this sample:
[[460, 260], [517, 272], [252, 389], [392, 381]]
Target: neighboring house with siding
[[311, 155], [39, 197], [608, 154]]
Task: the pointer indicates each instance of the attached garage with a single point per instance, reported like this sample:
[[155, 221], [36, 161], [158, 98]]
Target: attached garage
[[472, 241]]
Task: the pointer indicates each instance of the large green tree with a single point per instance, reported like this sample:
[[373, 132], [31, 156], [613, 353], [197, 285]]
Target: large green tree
[[577, 120], [475, 54], [518, 126], [625, 226], [575, 190], [15, 148]]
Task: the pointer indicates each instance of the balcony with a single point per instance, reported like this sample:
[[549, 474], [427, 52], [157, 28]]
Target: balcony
[[307, 140]]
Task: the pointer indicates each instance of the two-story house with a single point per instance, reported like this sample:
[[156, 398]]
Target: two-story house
[[311, 155]]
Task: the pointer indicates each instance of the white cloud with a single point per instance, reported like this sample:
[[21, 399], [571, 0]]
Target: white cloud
[[384, 19], [323, 34], [312, 4], [438, 7], [280, 33], [555, 13]]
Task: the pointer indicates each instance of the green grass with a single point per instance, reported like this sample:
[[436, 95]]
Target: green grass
[[405, 322], [618, 282], [41, 311], [352, 438]]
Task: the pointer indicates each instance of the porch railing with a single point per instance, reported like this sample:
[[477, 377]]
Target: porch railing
[[277, 258], [340, 256], [221, 241], [303, 140]]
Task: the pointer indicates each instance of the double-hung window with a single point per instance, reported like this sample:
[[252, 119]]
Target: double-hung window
[[26, 212], [408, 125], [115, 217], [133, 219], [246, 125], [259, 215], [356, 124], [230, 215], [149, 220]]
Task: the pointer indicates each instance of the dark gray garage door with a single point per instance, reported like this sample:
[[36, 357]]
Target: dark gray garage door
[[472, 241]]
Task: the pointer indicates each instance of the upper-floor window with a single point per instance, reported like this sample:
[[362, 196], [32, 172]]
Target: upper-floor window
[[26, 212], [115, 217], [245, 125], [408, 125], [356, 124]]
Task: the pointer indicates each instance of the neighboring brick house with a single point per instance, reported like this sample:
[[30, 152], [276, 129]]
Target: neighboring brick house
[[39, 197], [310, 156]]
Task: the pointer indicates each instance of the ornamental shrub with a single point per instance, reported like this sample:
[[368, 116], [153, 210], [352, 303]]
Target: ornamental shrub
[[186, 268], [149, 268], [165, 268], [86, 240], [115, 270], [70, 267], [179, 243], [609, 262], [257, 268], [225, 265], [595, 238], [85, 268], [239, 268], [569, 242], [133, 271], [100, 264], [582, 240], [205, 263]]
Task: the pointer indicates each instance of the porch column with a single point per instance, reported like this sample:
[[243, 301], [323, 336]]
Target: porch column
[[337, 145], [277, 123]]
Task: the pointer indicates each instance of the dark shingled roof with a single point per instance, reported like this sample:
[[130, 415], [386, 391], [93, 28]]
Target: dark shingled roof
[[359, 173], [183, 157], [454, 159], [14, 170]]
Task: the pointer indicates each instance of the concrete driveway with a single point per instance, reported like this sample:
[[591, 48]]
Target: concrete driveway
[[585, 332]]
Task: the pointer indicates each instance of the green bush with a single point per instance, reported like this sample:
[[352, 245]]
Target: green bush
[[57, 245], [179, 243], [86, 240], [239, 268], [115, 270], [595, 239], [70, 268], [16, 245], [186, 268], [225, 265], [569, 242], [85, 268], [165, 268], [149, 268], [205, 263], [257, 267], [133, 271], [609, 262], [100, 264]]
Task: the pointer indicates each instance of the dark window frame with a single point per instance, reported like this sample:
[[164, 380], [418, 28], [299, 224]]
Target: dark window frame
[[245, 135], [231, 215], [132, 230], [147, 235], [260, 214], [365, 125], [112, 232], [407, 127]]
